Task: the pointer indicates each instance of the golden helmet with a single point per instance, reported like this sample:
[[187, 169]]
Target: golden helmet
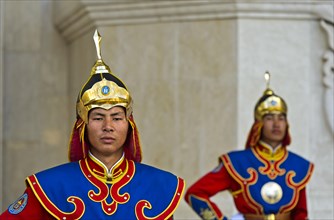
[[269, 103], [102, 89]]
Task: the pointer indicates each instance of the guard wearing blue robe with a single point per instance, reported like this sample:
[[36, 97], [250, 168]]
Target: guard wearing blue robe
[[86, 188]]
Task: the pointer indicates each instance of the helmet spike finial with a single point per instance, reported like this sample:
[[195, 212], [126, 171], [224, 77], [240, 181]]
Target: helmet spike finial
[[100, 66], [268, 91], [267, 78], [97, 39]]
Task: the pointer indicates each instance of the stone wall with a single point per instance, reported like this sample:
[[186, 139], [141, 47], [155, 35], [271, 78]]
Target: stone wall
[[35, 111]]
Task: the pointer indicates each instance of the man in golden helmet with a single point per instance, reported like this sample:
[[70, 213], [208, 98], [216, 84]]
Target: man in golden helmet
[[105, 179], [266, 180]]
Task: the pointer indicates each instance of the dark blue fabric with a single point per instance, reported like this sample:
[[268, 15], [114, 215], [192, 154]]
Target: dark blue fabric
[[148, 183], [243, 160]]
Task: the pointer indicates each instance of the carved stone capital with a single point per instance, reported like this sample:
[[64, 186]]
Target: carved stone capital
[[86, 15]]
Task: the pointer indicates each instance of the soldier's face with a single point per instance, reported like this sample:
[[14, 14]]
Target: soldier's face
[[107, 131], [274, 129]]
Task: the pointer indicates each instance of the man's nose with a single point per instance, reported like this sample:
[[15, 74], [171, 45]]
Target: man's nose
[[276, 121], [108, 125]]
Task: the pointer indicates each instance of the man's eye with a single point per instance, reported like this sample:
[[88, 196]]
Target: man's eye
[[117, 119], [97, 119]]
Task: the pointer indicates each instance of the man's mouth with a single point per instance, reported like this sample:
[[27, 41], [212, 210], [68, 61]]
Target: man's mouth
[[276, 132], [107, 140]]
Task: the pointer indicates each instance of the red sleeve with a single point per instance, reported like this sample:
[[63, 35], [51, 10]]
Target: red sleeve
[[207, 186], [300, 211], [26, 207]]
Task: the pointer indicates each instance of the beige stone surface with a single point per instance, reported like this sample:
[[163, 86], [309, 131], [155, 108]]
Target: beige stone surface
[[35, 95], [194, 71]]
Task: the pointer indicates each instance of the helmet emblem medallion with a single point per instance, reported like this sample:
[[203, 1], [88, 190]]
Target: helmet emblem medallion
[[273, 102], [105, 90]]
